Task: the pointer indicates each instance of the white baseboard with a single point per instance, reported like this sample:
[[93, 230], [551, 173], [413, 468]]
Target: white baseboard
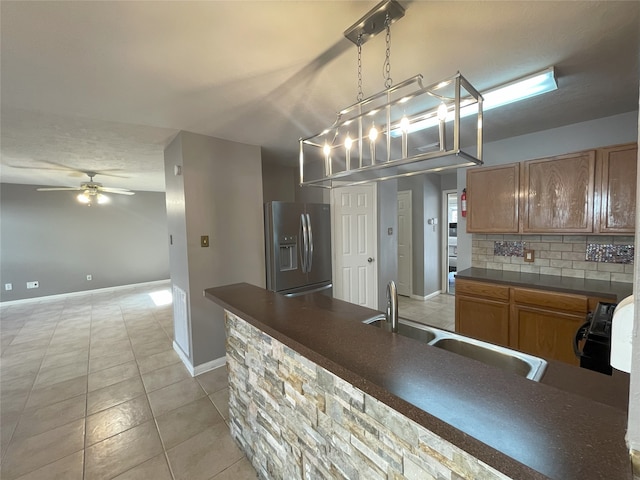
[[184, 358], [199, 369], [212, 365], [83, 292], [427, 297]]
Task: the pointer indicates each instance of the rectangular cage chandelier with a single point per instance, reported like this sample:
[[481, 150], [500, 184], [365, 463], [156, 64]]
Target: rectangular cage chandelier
[[406, 129]]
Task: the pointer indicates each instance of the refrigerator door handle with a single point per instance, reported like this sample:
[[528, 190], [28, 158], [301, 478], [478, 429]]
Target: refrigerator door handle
[[304, 253], [310, 237]]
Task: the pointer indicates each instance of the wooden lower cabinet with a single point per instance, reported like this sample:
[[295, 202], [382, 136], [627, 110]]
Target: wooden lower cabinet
[[482, 311], [486, 320], [544, 333], [539, 322]]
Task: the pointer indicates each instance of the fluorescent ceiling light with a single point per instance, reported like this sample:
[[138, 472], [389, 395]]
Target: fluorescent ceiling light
[[527, 87], [521, 89]]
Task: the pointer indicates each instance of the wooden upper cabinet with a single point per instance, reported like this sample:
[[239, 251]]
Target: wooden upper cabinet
[[492, 199], [618, 169], [558, 194]]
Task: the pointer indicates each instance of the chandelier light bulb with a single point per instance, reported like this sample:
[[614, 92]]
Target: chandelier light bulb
[[83, 198], [373, 133], [404, 124], [442, 112], [102, 199], [326, 149], [348, 143]]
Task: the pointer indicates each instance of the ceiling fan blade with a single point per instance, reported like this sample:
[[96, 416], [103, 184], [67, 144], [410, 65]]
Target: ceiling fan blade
[[103, 174], [113, 189], [56, 189], [75, 172], [37, 168], [117, 191]]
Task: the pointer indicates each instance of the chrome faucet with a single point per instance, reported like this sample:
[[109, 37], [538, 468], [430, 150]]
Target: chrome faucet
[[392, 305]]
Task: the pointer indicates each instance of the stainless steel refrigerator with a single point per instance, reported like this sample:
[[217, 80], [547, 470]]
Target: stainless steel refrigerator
[[298, 247]]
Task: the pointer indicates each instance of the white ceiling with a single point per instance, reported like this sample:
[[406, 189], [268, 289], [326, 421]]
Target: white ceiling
[[105, 86]]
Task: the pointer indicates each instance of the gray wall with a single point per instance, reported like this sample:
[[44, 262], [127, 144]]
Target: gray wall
[[432, 235], [278, 183], [283, 184], [426, 202], [176, 218], [387, 198], [416, 185], [448, 181], [220, 195], [51, 238], [571, 138]]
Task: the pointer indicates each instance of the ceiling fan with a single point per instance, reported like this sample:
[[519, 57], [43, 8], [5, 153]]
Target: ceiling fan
[[91, 191]]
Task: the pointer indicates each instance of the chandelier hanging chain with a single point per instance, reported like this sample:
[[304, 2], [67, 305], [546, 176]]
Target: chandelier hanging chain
[[387, 61], [360, 95]]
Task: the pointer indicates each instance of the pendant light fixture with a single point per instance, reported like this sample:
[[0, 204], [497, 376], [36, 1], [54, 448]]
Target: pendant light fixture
[[400, 131]]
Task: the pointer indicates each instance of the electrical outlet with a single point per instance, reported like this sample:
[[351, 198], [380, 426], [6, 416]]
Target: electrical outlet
[[89, 278], [529, 256], [33, 284], [8, 286]]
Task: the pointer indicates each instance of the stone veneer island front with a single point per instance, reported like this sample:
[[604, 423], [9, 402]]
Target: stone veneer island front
[[316, 394]]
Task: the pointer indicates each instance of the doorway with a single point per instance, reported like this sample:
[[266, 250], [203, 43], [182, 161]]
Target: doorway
[[449, 240]]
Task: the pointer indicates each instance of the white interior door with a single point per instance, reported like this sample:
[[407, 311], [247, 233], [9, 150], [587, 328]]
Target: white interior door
[[405, 252], [355, 244]]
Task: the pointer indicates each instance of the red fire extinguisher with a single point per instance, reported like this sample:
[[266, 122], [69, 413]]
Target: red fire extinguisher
[[463, 202]]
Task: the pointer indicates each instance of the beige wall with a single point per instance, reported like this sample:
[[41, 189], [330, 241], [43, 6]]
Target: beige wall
[[219, 194]]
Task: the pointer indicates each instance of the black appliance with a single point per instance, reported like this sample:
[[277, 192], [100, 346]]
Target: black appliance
[[595, 336]]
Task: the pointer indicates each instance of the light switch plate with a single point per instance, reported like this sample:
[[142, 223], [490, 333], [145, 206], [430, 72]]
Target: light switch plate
[[529, 256], [204, 241]]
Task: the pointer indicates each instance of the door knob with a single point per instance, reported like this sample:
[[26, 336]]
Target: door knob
[[370, 259]]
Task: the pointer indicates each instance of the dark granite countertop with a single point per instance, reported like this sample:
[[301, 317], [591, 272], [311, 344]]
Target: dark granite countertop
[[522, 428], [582, 286]]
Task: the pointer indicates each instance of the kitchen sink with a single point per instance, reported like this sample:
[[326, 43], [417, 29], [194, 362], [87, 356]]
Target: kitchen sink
[[503, 358], [425, 335]]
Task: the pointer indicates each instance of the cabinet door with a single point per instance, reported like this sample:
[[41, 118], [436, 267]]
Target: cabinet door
[[492, 199], [558, 194], [483, 319], [618, 188], [545, 333]]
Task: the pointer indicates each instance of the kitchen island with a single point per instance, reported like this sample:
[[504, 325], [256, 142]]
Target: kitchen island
[[315, 393]]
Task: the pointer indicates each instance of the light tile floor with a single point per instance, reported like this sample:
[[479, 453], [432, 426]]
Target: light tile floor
[[90, 388], [438, 311]]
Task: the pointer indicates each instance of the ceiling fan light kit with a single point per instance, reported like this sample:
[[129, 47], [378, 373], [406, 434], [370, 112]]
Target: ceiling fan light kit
[[87, 197], [91, 191]]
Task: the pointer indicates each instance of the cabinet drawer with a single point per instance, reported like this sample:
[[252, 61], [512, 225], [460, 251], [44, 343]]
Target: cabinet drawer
[[482, 289], [551, 300]]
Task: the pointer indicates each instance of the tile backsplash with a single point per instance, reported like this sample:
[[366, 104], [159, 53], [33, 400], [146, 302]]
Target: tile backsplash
[[608, 258], [597, 252]]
